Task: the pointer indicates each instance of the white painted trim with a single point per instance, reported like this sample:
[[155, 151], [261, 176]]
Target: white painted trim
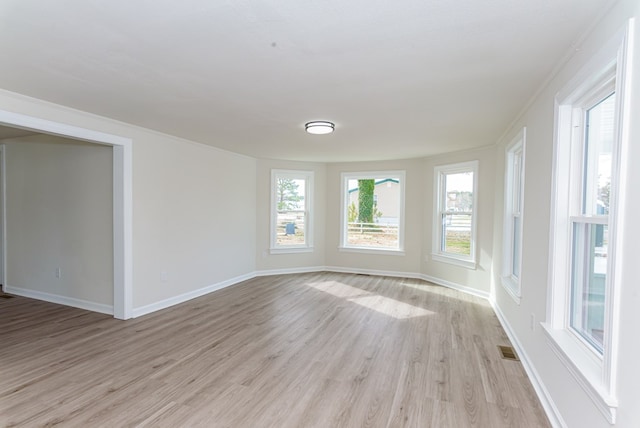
[[147, 309], [122, 198], [181, 298], [123, 231], [413, 275], [61, 300], [599, 379], [546, 400], [583, 367], [452, 260], [455, 286], [371, 250], [288, 271], [3, 215], [470, 261], [309, 188], [511, 284], [395, 274], [290, 250]]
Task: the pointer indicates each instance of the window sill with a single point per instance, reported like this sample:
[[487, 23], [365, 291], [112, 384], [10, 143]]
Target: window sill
[[511, 286], [584, 366], [465, 263], [290, 250], [363, 250]]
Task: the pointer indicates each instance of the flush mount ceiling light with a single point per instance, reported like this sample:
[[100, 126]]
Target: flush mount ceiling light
[[319, 127]]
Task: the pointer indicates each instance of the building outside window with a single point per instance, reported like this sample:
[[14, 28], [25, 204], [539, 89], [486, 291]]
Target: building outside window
[[373, 211]]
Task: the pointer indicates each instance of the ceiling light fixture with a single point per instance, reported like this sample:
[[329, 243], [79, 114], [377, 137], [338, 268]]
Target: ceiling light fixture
[[319, 127]]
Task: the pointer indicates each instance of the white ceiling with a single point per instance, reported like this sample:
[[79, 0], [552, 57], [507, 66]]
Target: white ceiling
[[400, 79]]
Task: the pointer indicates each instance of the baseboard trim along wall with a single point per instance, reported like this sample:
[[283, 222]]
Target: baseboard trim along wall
[[61, 300], [163, 304], [468, 290], [181, 298], [543, 394], [395, 274], [289, 271]]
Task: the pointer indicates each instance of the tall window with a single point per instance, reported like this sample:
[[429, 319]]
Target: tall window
[[373, 211], [590, 218], [582, 317], [512, 221], [291, 211], [454, 231]]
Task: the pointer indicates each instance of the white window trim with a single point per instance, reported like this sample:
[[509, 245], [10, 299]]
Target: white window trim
[[307, 246], [596, 374], [344, 178], [510, 283], [469, 261]]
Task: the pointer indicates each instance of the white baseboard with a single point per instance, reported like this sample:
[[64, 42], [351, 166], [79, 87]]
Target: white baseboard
[[61, 300], [289, 271], [181, 298], [395, 274], [391, 273], [543, 394], [455, 286]]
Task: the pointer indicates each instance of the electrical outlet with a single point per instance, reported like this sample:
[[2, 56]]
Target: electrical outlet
[[164, 277], [58, 273]]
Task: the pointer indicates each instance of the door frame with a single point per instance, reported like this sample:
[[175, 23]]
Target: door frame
[[122, 200]]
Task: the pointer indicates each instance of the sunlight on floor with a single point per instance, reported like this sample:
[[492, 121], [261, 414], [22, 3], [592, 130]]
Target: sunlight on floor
[[384, 305]]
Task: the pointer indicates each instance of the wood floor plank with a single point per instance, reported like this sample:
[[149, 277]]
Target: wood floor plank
[[309, 350]]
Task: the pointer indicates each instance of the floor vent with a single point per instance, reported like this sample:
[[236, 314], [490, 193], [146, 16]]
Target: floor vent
[[508, 353]]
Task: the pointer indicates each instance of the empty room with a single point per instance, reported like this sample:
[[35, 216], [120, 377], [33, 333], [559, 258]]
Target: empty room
[[319, 214]]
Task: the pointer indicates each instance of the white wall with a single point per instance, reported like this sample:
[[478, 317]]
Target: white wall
[[194, 218], [60, 215], [575, 408], [283, 262], [193, 207]]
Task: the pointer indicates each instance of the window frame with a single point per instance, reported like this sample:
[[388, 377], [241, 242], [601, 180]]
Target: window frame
[[375, 175], [517, 147], [596, 374], [307, 246], [437, 254]]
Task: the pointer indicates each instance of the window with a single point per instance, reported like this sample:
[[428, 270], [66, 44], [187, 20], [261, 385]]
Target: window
[[454, 231], [512, 221], [373, 211], [582, 318], [589, 219], [291, 219]]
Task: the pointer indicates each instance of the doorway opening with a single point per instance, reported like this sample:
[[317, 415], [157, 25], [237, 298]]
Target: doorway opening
[[122, 200]]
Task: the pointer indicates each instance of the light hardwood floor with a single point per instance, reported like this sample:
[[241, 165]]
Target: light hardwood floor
[[310, 350]]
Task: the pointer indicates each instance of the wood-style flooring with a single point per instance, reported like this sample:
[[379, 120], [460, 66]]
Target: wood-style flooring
[[309, 350]]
